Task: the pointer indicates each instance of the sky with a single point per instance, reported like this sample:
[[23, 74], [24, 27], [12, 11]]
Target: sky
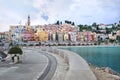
[[15, 12]]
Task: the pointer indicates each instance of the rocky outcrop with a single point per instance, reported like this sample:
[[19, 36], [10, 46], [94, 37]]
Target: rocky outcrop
[[105, 73]]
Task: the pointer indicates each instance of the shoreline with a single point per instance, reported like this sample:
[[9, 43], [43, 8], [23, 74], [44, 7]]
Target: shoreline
[[110, 70], [90, 46], [101, 73], [82, 46], [104, 73]]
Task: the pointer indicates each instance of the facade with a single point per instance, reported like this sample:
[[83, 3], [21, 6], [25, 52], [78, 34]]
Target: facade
[[50, 33], [73, 36], [118, 36], [15, 34], [60, 37], [43, 36], [26, 36], [112, 37], [53, 33], [66, 36]]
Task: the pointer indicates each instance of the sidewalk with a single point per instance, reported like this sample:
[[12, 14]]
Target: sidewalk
[[78, 69]]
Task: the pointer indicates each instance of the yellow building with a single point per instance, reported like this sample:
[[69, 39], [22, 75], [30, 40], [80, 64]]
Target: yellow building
[[28, 28], [42, 35], [66, 37], [12, 28], [9, 37]]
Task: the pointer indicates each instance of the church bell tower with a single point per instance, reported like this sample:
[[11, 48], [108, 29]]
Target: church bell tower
[[28, 23]]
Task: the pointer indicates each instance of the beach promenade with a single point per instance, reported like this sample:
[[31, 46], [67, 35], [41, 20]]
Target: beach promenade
[[47, 64], [77, 69]]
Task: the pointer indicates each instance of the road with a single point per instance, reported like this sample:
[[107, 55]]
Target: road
[[33, 65], [50, 70]]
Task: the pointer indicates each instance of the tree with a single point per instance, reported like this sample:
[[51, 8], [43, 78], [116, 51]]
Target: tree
[[111, 40], [94, 24], [118, 39], [73, 23], [118, 26], [80, 26], [61, 22], [56, 36], [113, 27], [86, 27], [58, 22], [108, 30], [66, 21], [15, 50], [97, 28], [99, 40], [89, 28]]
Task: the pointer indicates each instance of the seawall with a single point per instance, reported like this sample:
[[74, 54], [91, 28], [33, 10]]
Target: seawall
[[78, 68]]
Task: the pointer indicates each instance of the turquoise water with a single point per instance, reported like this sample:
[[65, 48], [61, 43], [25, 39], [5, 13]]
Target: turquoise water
[[100, 56]]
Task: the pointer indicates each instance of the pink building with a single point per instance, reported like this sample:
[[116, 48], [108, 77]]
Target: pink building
[[26, 35]]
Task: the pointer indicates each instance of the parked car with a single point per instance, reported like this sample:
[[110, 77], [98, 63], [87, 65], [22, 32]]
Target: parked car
[[2, 56]]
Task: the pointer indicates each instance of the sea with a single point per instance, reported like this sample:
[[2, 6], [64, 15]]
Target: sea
[[99, 56]]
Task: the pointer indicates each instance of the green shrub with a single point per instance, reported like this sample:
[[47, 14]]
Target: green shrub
[[31, 45], [54, 44], [37, 45], [95, 43], [24, 45], [15, 50]]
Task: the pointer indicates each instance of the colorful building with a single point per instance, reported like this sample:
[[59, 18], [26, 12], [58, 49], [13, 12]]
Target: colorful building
[[73, 36], [60, 37], [118, 36], [66, 36], [42, 35]]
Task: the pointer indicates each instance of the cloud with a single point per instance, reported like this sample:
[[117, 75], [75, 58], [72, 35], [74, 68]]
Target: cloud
[[49, 11], [75, 9], [54, 9], [38, 20], [7, 18]]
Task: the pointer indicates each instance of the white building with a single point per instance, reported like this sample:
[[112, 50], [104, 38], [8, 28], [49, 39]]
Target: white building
[[73, 36]]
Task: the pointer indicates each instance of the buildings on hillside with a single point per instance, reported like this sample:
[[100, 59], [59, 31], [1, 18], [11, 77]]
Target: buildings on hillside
[[21, 34], [54, 34]]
